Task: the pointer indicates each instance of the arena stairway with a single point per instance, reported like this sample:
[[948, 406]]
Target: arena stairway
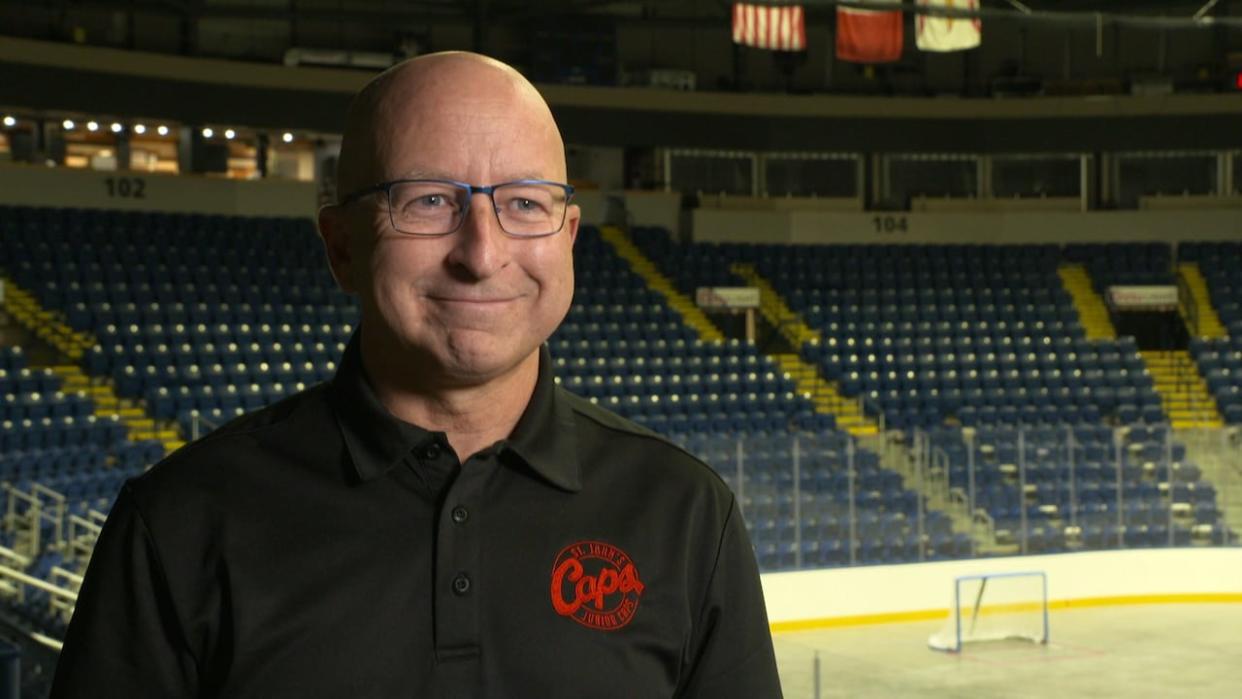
[[646, 269], [1212, 271], [1184, 393], [1209, 323], [46, 324], [50, 326], [1092, 312], [823, 393]]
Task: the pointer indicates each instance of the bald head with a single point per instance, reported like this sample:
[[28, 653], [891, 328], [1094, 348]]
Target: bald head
[[456, 94], [470, 308]]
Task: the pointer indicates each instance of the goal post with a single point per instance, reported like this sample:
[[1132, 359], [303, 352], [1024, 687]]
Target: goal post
[[995, 607]]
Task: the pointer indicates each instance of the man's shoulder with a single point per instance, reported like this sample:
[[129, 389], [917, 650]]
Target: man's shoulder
[[270, 434], [638, 445]]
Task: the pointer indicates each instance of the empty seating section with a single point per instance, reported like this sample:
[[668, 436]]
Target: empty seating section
[[53, 440], [688, 266], [982, 335], [1112, 264], [211, 316], [937, 337], [214, 315], [625, 348], [200, 316], [56, 439], [1220, 359]]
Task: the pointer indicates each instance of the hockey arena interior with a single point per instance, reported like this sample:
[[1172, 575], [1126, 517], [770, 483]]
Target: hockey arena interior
[[948, 293]]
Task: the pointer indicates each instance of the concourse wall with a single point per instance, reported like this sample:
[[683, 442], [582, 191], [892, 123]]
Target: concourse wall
[[33, 185], [986, 227]]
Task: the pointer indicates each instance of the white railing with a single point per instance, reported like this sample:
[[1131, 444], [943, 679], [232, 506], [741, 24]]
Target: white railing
[[83, 532], [26, 514], [200, 425], [63, 579]]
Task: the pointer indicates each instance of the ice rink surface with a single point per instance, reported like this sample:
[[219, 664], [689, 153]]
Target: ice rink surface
[[1167, 650]]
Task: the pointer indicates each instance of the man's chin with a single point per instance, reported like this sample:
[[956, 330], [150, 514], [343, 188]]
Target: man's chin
[[476, 365]]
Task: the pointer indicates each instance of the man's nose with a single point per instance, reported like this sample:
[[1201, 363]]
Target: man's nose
[[480, 247]]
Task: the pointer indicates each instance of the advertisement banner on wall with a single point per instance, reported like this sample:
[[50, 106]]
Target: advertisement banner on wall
[[727, 297], [1143, 298]]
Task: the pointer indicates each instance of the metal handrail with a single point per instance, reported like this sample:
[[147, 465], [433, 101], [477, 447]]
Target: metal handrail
[[197, 423], [37, 583], [80, 541], [1186, 303]]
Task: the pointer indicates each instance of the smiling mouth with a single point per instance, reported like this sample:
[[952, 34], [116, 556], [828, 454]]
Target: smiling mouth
[[470, 301]]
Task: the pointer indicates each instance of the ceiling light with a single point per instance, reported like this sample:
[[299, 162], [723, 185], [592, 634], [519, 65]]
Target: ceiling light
[[229, 133], [208, 133], [287, 137], [162, 130], [116, 127], [92, 126], [9, 120], [140, 129], [67, 124]]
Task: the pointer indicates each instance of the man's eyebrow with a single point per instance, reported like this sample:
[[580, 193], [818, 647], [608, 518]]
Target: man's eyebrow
[[424, 175], [440, 175]]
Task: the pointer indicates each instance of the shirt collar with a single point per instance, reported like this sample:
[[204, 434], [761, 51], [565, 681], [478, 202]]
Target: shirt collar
[[544, 438], [376, 440]]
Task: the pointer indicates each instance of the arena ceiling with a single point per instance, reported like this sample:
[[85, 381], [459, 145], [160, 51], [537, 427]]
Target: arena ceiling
[[87, 87], [658, 11]]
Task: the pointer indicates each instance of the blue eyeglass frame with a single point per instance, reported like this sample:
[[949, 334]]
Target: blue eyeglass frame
[[471, 190]]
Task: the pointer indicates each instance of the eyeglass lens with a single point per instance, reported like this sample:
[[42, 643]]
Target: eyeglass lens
[[436, 208]]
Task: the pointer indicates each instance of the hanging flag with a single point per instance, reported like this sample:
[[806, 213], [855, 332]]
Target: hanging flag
[[775, 27], [869, 36], [948, 33]]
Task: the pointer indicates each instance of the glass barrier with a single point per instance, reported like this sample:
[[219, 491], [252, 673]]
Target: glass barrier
[[713, 172], [1165, 172], [815, 500], [811, 174]]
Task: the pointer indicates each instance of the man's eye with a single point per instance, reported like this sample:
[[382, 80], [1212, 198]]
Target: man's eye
[[426, 202], [526, 205]]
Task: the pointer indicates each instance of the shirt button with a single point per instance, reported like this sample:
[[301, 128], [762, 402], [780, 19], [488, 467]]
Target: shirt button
[[460, 514], [461, 584], [431, 452]]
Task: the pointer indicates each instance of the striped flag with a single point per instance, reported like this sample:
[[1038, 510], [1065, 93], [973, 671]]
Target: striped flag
[[870, 36], [948, 33], [775, 27]]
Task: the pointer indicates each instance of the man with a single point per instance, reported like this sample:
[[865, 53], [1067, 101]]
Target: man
[[440, 520]]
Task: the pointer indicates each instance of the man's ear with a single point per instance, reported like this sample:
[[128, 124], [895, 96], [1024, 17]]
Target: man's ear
[[573, 217], [334, 229]]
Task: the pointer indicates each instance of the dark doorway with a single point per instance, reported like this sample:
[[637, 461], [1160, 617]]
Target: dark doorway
[[1153, 330]]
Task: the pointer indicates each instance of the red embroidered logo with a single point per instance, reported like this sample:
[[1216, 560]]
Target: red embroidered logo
[[595, 584]]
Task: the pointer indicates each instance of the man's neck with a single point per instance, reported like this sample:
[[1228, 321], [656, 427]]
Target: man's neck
[[472, 417]]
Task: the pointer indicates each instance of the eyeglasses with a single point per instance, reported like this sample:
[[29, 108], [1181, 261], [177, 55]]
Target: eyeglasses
[[434, 208]]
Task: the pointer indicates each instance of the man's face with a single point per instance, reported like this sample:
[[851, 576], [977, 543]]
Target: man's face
[[477, 302]]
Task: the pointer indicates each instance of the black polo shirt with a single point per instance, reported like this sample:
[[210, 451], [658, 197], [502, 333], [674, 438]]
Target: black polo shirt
[[322, 548]]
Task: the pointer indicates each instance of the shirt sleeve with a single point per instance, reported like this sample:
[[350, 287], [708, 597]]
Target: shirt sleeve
[[125, 639], [732, 641]]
